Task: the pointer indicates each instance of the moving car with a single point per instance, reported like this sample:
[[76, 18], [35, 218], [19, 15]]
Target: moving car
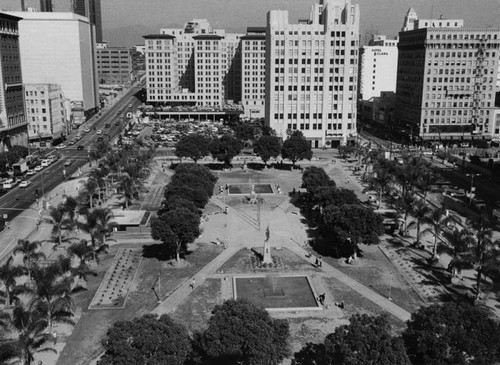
[[86, 130], [60, 146], [24, 183], [80, 147], [68, 163], [99, 131]]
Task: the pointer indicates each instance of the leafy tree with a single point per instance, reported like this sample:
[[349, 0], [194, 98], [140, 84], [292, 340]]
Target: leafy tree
[[331, 195], [225, 148], [366, 340], [196, 169], [245, 132], [197, 196], [296, 148], [354, 223], [315, 178], [176, 228], [175, 202], [268, 131], [8, 275], [146, 340], [192, 181], [267, 147], [240, 332], [194, 146], [346, 150], [454, 334]]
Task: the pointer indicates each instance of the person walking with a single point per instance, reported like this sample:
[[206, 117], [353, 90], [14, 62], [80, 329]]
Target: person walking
[[193, 283]]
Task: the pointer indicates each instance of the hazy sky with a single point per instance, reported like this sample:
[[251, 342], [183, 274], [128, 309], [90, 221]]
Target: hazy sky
[[377, 16]]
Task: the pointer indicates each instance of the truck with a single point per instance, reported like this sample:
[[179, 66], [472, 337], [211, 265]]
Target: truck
[[20, 167]]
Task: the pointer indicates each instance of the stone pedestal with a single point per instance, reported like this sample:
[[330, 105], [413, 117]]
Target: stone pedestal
[[267, 259]]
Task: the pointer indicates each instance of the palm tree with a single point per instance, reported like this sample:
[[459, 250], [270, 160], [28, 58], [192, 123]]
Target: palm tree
[[129, 187], [32, 337], [91, 187], [83, 252], [459, 242], [380, 182], [438, 220], [71, 205], [30, 253], [8, 276], [52, 292], [58, 217], [98, 223], [420, 212], [484, 252], [406, 202]]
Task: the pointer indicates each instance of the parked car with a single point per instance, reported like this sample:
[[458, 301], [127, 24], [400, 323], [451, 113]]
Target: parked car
[[30, 172], [24, 183], [38, 168], [81, 147], [117, 123], [60, 146], [99, 131], [68, 163], [86, 130]]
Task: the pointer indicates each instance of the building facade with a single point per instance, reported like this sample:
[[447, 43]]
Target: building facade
[[312, 71], [446, 81], [378, 67], [46, 113], [92, 10], [196, 65], [13, 125], [59, 48], [253, 72], [114, 65]]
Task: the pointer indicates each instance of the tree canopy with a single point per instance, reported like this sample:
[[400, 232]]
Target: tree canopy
[[238, 331], [194, 146], [225, 148], [330, 195], [452, 333], [315, 178], [146, 340], [175, 229], [296, 148], [267, 147]]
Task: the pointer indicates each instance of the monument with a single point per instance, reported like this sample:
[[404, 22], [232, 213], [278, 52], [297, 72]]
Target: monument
[[267, 259]]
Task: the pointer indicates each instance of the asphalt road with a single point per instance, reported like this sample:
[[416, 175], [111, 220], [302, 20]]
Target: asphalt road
[[18, 199]]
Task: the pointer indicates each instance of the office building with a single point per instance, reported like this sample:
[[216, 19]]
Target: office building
[[58, 48], [312, 70], [46, 6], [446, 80], [13, 125], [253, 72], [378, 67], [193, 66], [46, 113], [114, 65], [92, 10]]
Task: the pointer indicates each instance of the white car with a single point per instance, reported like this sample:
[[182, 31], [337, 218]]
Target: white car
[[99, 131], [24, 183], [60, 146], [86, 130], [38, 168], [30, 172]]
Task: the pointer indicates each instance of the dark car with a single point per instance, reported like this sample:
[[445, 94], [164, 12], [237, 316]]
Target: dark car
[[99, 139], [107, 125], [117, 123], [80, 147]]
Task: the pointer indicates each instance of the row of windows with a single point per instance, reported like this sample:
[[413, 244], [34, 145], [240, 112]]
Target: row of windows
[[330, 126]]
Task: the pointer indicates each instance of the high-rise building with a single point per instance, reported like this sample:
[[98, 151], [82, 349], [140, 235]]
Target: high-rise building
[[446, 80], [45, 112], [195, 65], [46, 6], [92, 10], [253, 72], [114, 65], [13, 125], [378, 67], [59, 48], [312, 70]]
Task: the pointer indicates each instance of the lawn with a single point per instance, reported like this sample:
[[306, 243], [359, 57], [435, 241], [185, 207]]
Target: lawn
[[85, 341], [276, 291]]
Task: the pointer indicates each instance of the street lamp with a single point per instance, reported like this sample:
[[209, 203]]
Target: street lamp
[[472, 188]]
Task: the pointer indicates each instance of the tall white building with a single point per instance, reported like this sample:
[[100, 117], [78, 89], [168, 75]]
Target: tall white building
[[312, 68], [45, 112], [253, 72], [378, 67], [59, 48], [195, 65]]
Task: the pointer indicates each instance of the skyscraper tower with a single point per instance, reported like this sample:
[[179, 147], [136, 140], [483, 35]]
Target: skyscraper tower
[[46, 6], [92, 10]]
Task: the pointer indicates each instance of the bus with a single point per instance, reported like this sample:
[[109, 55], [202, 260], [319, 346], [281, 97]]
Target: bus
[[390, 219]]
